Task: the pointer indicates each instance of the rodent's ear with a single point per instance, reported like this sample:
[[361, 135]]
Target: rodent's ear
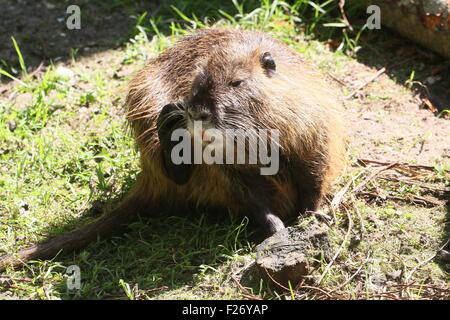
[[171, 118], [267, 63]]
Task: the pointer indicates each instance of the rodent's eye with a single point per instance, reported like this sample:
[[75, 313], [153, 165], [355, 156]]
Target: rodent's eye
[[236, 83]]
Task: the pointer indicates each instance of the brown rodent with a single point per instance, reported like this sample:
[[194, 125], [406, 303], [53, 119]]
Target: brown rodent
[[235, 80], [246, 80]]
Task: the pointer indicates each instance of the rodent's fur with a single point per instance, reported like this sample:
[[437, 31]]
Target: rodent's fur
[[293, 98]]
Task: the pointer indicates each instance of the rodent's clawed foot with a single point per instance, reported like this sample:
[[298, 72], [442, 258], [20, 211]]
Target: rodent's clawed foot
[[273, 223]]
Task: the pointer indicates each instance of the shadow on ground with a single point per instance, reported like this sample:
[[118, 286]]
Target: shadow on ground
[[40, 30], [402, 58], [404, 61], [40, 27], [162, 251]]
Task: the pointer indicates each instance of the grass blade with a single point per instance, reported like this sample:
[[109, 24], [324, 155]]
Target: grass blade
[[12, 77], [19, 54]]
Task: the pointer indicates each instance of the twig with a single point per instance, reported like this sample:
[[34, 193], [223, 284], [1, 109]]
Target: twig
[[414, 199], [276, 282], [358, 188], [37, 70], [420, 286], [375, 76], [417, 166], [327, 268], [362, 229], [245, 267], [342, 83], [344, 16], [247, 294], [390, 295], [337, 199], [250, 297], [385, 295], [352, 276], [6, 278], [424, 262], [299, 286], [315, 288], [156, 289], [16, 287], [412, 182], [427, 201]]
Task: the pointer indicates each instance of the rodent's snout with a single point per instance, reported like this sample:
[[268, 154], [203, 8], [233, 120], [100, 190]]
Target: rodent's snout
[[199, 114], [199, 121]]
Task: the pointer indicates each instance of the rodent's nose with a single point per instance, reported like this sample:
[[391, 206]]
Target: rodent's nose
[[199, 115]]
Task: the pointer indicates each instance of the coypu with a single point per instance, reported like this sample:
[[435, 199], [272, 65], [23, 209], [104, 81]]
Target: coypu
[[229, 79]]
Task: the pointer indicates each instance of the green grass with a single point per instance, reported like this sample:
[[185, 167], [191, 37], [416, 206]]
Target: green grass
[[66, 156]]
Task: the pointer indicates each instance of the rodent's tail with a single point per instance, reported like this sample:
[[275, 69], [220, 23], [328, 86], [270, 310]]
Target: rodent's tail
[[109, 224]]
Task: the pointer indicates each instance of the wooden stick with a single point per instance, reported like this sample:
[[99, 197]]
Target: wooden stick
[[412, 182], [246, 293], [414, 199], [344, 16], [417, 166], [358, 188], [424, 262], [337, 199], [376, 75], [349, 229], [353, 275]]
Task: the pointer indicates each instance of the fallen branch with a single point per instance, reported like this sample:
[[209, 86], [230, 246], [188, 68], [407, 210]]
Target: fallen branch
[[416, 166], [424, 262], [337, 199], [358, 188], [245, 293], [412, 182], [375, 76], [344, 16], [349, 229], [420, 287], [413, 199], [352, 276]]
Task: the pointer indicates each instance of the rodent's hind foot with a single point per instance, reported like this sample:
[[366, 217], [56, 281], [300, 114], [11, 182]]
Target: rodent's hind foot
[[273, 223]]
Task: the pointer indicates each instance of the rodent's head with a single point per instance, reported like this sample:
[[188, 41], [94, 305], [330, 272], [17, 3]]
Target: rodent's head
[[226, 93]]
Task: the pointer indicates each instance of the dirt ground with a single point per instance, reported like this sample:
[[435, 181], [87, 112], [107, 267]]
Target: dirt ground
[[396, 126], [40, 29]]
